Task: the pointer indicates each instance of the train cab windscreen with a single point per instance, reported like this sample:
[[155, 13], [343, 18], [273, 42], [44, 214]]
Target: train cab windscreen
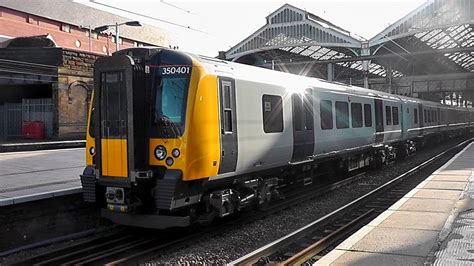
[[170, 90]]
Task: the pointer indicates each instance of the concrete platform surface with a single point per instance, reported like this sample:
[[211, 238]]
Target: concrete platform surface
[[432, 224], [33, 175]]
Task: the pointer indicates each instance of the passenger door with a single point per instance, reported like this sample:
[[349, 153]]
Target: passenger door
[[113, 92], [303, 126], [113, 123], [420, 119], [228, 126], [379, 125]]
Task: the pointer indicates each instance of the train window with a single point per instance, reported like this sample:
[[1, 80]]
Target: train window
[[227, 120], [227, 96], [368, 115], [297, 112], [378, 114], [227, 107], [356, 114], [92, 119], [342, 115], [326, 114], [425, 115], [415, 113], [308, 110], [388, 115], [92, 123], [272, 113], [395, 115]]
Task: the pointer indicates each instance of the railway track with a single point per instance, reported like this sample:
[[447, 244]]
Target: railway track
[[129, 245], [308, 244]]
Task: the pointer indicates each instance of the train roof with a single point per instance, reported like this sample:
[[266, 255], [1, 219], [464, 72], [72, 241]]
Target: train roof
[[262, 75]]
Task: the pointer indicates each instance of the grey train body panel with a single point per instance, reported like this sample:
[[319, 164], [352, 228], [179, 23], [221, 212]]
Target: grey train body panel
[[258, 150]]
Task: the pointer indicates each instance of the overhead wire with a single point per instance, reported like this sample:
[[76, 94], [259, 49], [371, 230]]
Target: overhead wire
[[147, 16]]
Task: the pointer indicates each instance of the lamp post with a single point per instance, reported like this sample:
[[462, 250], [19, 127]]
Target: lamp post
[[117, 33]]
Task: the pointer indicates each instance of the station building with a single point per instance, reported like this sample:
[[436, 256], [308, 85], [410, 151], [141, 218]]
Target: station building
[[47, 53]]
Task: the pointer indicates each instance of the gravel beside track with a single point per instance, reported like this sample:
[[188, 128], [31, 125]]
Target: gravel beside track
[[239, 240]]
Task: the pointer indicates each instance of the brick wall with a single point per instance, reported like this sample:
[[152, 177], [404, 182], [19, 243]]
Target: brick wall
[[75, 84], [18, 24]]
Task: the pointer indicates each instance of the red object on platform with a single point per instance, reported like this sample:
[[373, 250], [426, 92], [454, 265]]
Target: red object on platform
[[33, 130]]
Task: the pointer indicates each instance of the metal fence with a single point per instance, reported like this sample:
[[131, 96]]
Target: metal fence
[[39, 110], [13, 115]]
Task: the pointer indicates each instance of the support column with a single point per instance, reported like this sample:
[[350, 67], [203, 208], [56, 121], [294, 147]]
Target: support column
[[330, 72], [389, 78], [365, 64]]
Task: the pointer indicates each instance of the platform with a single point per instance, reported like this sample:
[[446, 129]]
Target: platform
[[34, 175], [432, 224], [34, 145]]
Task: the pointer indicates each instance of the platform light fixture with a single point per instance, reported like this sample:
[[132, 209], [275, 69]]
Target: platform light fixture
[[117, 33]]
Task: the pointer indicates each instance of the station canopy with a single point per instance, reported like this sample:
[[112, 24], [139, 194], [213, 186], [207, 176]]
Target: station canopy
[[435, 38]]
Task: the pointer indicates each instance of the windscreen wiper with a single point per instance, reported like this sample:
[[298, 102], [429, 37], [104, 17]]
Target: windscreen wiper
[[168, 125]]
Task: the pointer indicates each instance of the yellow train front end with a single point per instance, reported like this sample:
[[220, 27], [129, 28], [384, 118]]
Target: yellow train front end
[[152, 138]]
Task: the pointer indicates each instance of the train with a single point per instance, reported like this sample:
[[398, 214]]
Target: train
[[175, 139]]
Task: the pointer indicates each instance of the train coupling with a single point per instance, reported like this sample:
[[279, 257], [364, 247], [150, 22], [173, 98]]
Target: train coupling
[[116, 200]]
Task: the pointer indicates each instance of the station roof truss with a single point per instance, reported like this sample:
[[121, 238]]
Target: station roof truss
[[444, 25], [291, 33], [435, 38]]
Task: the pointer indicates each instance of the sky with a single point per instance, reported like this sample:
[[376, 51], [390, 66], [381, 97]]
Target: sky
[[206, 27]]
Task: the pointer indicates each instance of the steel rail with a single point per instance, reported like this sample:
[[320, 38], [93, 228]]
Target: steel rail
[[278, 244], [323, 243], [72, 249]]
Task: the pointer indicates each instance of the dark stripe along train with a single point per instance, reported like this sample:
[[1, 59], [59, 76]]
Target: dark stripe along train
[[175, 138]]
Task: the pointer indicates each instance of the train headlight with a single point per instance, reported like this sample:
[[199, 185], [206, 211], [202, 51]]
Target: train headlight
[[175, 153], [169, 161], [160, 153], [92, 151]]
